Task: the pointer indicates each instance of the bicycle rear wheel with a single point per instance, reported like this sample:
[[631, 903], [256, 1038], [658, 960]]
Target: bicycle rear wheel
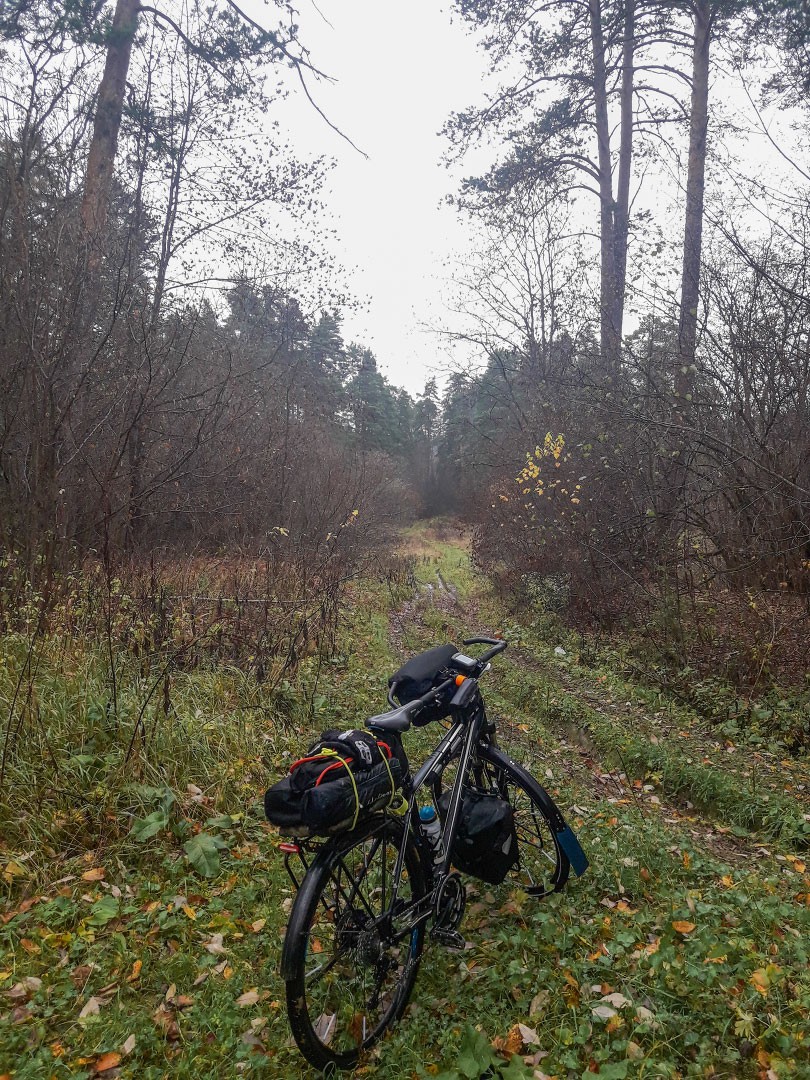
[[542, 865], [350, 955]]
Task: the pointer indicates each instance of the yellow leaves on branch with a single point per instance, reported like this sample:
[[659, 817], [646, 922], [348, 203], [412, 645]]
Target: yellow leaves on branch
[[530, 479]]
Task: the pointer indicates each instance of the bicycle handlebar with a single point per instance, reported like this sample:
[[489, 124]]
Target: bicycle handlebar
[[434, 694], [498, 645]]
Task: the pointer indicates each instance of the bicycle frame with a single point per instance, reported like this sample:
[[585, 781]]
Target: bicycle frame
[[468, 725], [469, 722]]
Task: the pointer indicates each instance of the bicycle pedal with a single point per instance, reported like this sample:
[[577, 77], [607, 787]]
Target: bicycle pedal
[[452, 939]]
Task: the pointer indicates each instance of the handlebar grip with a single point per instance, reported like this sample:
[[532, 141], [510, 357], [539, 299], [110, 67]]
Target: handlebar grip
[[436, 692], [487, 656], [392, 701], [482, 641]]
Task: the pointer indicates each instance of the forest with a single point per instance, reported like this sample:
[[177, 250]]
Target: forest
[[223, 525]]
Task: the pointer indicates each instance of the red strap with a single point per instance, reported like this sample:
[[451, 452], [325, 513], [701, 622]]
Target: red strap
[[335, 765], [304, 760]]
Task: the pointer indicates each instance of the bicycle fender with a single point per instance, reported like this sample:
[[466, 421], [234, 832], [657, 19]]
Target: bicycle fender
[[571, 846], [562, 830]]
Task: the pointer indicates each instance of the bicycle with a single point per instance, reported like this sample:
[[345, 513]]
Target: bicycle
[[357, 927]]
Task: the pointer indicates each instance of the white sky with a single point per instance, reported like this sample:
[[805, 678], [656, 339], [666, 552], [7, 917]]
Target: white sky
[[401, 69]]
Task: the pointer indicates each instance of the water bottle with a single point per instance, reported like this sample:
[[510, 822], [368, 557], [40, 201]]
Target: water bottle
[[432, 830]]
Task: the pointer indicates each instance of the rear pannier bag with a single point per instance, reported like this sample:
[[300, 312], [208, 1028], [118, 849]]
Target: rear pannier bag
[[418, 675], [486, 844], [341, 778]]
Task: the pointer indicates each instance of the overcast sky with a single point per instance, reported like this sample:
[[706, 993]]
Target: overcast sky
[[400, 69]]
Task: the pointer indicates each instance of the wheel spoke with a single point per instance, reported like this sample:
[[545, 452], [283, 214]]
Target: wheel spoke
[[356, 971], [541, 867]]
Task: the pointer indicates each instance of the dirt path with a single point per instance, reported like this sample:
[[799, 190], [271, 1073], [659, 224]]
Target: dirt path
[[574, 753]]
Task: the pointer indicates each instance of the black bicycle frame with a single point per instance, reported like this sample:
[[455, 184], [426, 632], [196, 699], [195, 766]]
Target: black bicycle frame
[[469, 726], [469, 719]]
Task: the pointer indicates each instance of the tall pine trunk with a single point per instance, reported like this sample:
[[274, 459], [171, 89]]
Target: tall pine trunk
[[609, 332], [622, 212], [684, 375], [106, 125], [674, 502]]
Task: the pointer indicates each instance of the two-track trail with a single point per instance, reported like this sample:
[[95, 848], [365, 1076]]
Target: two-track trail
[[682, 952], [685, 943]]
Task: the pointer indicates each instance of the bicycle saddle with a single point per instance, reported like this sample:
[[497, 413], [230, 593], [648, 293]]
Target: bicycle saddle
[[396, 720]]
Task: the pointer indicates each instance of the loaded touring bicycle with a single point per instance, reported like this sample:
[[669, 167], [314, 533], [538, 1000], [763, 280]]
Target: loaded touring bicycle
[[376, 852]]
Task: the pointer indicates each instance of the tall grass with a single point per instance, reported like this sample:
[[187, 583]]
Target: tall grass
[[186, 683]]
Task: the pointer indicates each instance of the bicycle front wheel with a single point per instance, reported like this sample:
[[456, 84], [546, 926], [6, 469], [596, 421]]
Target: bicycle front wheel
[[542, 865], [352, 952]]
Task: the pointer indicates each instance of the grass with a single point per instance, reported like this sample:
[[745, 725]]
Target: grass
[[681, 953]]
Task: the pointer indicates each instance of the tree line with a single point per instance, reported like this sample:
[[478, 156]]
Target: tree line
[[666, 453], [173, 369]]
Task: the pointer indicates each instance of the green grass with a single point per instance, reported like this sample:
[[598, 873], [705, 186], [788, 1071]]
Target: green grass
[[610, 986]]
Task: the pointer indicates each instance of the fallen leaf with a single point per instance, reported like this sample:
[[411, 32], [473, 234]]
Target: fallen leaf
[[13, 869], [539, 1003], [258, 925], [762, 978], [683, 927], [24, 989], [511, 1043], [215, 946], [250, 997], [107, 1061], [136, 971], [164, 1019], [91, 1008], [96, 874], [618, 1001], [129, 1045], [604, 1012]]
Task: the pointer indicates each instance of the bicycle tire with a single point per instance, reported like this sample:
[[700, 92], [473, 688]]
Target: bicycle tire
[[365, 974], [542, 867]]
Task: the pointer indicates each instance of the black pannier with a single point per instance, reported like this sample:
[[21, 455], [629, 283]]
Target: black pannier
[[486, 844], [418, 675], [341, 778]]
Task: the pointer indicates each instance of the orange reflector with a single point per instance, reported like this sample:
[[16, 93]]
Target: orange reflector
[[291, 849], [460, 679]]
